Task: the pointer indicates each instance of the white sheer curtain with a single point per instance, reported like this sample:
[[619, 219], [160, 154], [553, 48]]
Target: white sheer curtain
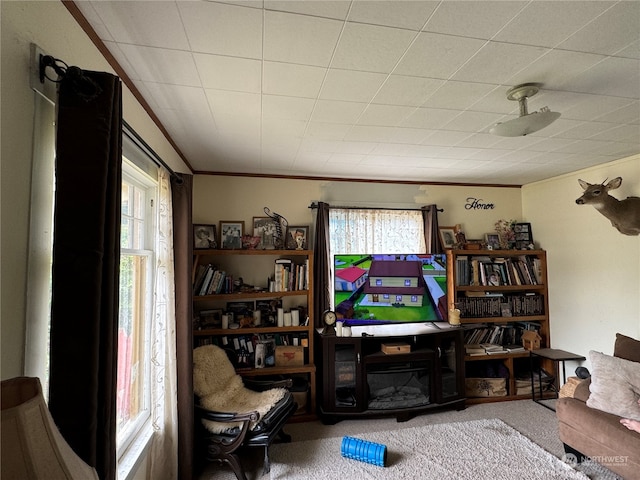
[[376, 231], [164, 415]]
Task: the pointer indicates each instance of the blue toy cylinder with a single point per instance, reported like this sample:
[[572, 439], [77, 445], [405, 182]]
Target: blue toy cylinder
[[364, 451]]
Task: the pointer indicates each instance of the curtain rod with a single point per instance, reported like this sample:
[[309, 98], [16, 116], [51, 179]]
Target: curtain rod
[[314, 205], [131, 133], [88, 88]]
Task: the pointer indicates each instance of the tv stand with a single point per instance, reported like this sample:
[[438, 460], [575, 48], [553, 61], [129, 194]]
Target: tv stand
[[358, 379]]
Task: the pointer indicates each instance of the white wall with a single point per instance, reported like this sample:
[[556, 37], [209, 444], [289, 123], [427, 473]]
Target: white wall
[[49, 25], [594, 271], [242, 198]]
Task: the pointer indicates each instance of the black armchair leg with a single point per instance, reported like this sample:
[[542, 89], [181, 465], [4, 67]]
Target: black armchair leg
[[267, 462], [233, 460], [284, 437]]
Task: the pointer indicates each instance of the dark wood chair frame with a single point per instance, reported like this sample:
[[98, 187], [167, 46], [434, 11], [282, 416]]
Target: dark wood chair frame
[[222, 447]]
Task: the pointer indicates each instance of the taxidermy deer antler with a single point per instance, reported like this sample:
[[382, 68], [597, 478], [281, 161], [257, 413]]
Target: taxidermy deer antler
[[623, 214]]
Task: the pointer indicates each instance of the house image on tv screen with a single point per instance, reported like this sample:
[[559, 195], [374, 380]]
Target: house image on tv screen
[[395, 283], [350, 279]]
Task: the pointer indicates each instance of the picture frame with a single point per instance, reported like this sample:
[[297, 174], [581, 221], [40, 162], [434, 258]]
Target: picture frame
[[265, 228], [447, 236], [297, 237], [210, 318], [523, 236], [204, 236], [492, 240], [231, 232]]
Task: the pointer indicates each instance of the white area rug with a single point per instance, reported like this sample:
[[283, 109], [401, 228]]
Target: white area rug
[[473, 450]]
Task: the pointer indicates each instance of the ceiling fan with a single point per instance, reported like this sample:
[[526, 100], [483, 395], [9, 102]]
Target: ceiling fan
[[527, 122]]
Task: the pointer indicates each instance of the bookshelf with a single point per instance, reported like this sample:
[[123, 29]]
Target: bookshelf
[[252, 282], [501, 294]]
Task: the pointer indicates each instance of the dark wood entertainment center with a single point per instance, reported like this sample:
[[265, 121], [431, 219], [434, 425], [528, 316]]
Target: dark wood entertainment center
[[358, 379]]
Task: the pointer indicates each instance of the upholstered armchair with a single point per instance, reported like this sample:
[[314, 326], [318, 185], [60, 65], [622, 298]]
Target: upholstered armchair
[[231, 412]]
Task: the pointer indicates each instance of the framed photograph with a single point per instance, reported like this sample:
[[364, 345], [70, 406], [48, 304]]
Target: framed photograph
[[523, 235], [265, 228], [210, 318], [297, 237], [493, 241], [447, 236], [204, 236], [231, 232]]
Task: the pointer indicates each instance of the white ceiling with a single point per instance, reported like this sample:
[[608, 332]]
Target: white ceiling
[[394, 90]]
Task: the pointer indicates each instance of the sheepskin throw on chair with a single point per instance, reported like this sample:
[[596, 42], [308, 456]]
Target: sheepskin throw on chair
[[220, 388]]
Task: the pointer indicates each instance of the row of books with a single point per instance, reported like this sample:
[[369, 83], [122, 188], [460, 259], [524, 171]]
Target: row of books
[[500, 305], [487, 271], [289, 276], [209, 279], [478, 349], [503, 334]]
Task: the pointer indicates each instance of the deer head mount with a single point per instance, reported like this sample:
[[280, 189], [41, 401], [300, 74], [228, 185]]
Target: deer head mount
[[623, 214]]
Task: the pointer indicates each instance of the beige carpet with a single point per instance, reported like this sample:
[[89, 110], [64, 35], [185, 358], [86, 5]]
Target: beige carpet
[[476, 450], [530, 419]]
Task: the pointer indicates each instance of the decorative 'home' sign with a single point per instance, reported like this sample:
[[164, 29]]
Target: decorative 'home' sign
[[478, 204]]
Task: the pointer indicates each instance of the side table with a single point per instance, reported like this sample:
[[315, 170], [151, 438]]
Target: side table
[[556, 356]]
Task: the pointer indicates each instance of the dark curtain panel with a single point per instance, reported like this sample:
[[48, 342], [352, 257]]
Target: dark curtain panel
[[86, 262], [431, 233], [321, 264], [181, 192]]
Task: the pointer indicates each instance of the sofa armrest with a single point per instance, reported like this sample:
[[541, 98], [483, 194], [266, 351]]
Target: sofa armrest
[[582, 390]]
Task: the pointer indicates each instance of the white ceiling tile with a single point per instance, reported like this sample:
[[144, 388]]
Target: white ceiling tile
[[240, 104], [621, 133], [334, 111], [498, 62], [161, 65], [409, 135], [328, 131], [300, 39], [627, 114], [595, 106], [122, 60], [398, 13], [369, 133], [472, 18], [177, 97], [351, 86], [437, 56], [371, 48], [337, 9], [346, 158], [549, 23], [430, 118], [445, 138], [458, 95], [479, 140], [223, 29], [386, 115], [555, 69], [403, 90], [153, 24], [472, 121], [229, 73], [613, 76], [488, 154], [291, 108], [614, 30], [292, 80]]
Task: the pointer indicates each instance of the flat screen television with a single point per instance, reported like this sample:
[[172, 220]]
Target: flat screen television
[[371, 289]]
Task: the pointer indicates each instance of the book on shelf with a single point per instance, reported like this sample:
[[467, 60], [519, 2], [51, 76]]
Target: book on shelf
[[483, 270]]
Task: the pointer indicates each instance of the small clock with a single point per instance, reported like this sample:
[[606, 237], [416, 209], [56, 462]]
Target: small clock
[[329, 318]]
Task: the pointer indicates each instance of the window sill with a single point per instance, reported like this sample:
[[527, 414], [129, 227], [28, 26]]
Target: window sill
[[129, 463]]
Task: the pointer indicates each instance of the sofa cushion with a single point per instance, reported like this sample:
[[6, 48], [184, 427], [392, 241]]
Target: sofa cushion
[[615, 385], [627, 348]]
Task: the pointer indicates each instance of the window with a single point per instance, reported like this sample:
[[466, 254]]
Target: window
[[136, 296], [368, 231]]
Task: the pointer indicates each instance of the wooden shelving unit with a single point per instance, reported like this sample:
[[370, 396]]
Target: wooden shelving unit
[[459, 284], [255, 267]]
